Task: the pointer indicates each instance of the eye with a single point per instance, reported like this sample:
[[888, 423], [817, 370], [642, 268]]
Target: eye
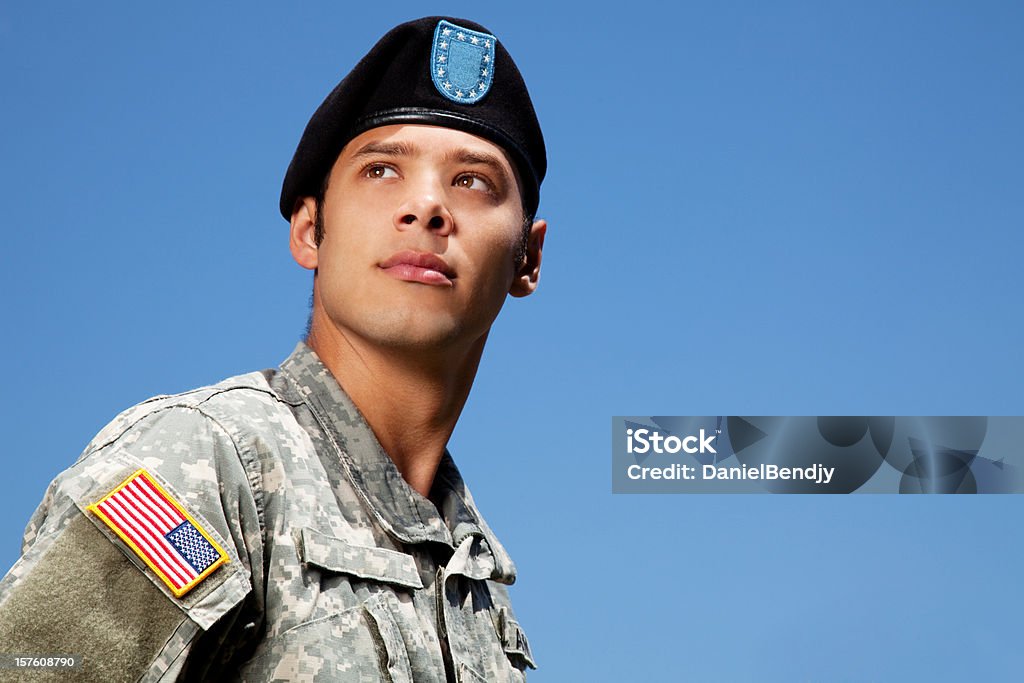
[[471, 181], [380, 171]]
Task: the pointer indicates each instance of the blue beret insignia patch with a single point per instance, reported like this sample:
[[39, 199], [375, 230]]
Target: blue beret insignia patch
[[462, 62]]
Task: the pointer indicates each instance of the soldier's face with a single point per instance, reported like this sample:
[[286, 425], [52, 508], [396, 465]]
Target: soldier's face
[[422, 227]]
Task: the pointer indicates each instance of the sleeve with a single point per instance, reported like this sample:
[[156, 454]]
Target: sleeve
[[105, 558]]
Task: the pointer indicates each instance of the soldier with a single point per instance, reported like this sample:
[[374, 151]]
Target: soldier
[[307, 522]]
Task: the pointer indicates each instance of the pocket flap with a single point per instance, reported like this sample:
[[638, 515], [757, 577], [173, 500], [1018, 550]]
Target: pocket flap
[[512, 637], [377, 564]]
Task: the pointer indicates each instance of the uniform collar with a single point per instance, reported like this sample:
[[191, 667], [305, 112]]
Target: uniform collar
[[398, 508]]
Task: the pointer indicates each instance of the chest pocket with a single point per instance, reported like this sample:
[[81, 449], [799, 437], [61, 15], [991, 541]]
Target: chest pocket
[[513, 640], [360, 641], [373, 564]]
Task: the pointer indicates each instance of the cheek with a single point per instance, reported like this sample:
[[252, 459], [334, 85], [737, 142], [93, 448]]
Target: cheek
[[340, 268], [495, 264], [347, 239]]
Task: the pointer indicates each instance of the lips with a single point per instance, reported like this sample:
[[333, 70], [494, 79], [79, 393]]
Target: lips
[[419, 266]]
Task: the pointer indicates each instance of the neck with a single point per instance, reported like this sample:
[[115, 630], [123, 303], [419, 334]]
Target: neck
[[411, 398]]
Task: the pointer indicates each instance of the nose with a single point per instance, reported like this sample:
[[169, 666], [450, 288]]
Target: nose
[[425, 210]]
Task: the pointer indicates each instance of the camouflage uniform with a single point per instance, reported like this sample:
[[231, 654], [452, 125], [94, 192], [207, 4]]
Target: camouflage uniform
[[337, 571]]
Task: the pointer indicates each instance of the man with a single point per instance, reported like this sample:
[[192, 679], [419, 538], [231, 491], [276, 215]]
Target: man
[[307, 523]]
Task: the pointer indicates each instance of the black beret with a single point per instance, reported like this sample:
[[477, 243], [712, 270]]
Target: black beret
[[438, 71]]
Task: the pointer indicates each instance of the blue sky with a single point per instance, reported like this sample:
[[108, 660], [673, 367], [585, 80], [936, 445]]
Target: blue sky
[[755, 208]]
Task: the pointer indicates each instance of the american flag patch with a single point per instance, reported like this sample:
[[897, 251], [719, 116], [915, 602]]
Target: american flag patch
[[160, 532]]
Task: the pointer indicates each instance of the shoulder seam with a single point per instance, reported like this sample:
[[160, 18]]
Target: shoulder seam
[[251, 465], [95, 447], [253, 475], [179, 403]]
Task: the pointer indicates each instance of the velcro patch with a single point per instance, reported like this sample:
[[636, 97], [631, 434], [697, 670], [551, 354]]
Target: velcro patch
[[160, 532]]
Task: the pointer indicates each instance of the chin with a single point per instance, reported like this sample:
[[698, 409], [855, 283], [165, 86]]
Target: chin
[[415, 330]]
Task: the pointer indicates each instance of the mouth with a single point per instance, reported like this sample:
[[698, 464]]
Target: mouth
[[419, 266]]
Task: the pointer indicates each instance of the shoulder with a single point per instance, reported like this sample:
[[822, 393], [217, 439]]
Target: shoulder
[[155, 529], [244, 400], [223, 428], [198, 449], [185, 440], [206, 444]]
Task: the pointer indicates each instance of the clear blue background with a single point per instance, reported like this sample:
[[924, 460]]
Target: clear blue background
[[756, 208]]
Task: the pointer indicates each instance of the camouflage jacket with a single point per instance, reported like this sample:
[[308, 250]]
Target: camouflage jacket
[[335, 568]]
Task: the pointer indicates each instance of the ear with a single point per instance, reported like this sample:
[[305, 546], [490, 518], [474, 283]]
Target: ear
[[529, 270], [303, 233]]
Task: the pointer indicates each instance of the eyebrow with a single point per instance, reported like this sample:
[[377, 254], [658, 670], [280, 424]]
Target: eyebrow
[[390, 149]]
